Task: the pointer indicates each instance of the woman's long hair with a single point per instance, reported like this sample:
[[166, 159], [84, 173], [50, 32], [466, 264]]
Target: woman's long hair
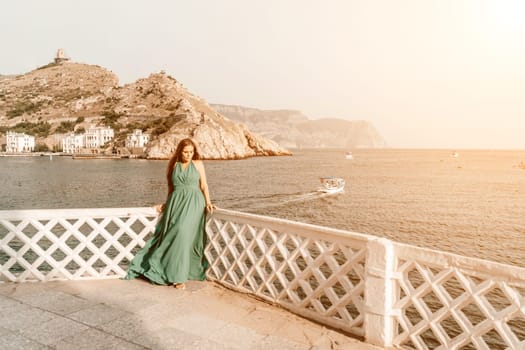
[[177, 157]]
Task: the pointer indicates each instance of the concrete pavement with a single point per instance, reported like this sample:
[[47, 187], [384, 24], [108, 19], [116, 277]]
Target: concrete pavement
[[117, 314]]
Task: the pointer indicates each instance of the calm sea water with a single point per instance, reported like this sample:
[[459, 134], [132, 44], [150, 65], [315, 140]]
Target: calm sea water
[[473, 205]]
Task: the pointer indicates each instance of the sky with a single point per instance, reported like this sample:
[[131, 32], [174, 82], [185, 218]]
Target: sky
[[426, 73]]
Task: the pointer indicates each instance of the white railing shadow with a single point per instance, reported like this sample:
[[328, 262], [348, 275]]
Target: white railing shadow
[[391, 294]]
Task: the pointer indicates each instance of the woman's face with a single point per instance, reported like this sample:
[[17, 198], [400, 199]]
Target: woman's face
[[187, 153]]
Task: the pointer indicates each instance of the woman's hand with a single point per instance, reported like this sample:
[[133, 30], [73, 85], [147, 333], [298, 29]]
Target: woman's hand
[[159, 208], [210, 207]]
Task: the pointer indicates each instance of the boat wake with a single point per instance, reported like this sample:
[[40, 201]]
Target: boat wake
[[275, 200]]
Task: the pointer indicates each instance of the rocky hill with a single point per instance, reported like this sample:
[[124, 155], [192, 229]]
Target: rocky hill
[[68, 96], [291, 128]]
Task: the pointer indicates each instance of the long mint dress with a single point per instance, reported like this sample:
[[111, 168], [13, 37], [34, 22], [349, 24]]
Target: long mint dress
[[175, 253]]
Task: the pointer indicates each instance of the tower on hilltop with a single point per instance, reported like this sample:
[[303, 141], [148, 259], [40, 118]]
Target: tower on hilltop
[[61, 56]]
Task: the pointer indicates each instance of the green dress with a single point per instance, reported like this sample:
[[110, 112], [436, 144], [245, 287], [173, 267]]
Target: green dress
[[175, 253]]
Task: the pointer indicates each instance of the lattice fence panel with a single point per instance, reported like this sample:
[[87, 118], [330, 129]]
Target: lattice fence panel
[[71, 244], [442, 307], [310, 273]]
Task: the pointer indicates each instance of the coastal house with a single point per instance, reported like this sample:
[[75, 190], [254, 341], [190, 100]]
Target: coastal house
[[137, 139], [19, 142], [94, 137], [72, 143], [97, 136]]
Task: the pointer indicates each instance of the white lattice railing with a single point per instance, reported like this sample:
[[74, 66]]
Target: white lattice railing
[[391, 294], [447, 301], [44, 245], [313, 271]]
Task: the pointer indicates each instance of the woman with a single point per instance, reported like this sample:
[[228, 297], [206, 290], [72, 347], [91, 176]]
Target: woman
[[175, 253]]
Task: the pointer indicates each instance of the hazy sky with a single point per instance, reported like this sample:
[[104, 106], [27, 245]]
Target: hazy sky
[[426, 73]]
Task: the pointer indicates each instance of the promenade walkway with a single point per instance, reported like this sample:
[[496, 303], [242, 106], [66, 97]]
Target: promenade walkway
[[116, 314]]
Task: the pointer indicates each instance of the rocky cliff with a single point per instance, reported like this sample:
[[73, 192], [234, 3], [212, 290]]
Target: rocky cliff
[[291, 128], [69, 96]]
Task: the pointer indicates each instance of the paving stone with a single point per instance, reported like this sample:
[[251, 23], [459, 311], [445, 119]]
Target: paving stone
[[18, 289], [24, 317], [129, 303], [7, 288], [221, 308], [7, 302], [93, 339], [302, 331], [264, 320], [150, 329], [18, 342], [56, 301], [273, 342], [197, 324], [172, 338], [236, 336], [356, 345], [4, 331], [125, 345], [206, 344], [130, 328], [343, 342], [98, 314], [165, 310], [116, 314], [53, 331], [11, 308]]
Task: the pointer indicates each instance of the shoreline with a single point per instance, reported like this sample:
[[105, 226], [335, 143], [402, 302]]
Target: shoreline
[[73, 156]]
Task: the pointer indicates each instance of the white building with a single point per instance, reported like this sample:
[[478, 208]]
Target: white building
[[136, 139], [72, 143], [18, 142], [97, 136]]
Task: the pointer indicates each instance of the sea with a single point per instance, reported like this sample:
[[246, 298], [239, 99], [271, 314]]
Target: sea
[[472, 204]]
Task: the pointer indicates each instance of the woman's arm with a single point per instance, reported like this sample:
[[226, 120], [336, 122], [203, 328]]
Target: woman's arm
[[204, 185]]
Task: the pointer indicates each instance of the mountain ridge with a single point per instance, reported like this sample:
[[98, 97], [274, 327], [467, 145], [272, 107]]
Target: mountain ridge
[[56, 95], [293, 129]]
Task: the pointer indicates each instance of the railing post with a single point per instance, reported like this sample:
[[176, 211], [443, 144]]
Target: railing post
[[380, 293]]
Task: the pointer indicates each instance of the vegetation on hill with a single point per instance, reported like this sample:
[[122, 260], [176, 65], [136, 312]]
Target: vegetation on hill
[[40, 129], [22, 107], [69, 126]]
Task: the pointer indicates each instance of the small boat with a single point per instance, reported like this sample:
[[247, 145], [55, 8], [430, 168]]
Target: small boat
[[349, 155], [454, 154], [331, 184]]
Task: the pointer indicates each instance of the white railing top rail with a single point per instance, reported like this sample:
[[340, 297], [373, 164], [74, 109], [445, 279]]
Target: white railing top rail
[[292, 226], [473, 266], [40, 214]]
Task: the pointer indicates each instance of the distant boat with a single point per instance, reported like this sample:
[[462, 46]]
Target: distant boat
[[349, 155], [454, 154], [331, 184]]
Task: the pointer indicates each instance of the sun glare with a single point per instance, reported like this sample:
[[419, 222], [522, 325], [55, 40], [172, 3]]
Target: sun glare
[[504, 19]]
